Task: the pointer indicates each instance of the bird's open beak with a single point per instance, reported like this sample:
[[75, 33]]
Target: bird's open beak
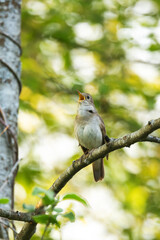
[[81, 97]]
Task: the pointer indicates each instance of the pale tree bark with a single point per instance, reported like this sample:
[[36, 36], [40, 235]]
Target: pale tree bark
[[10, 87]]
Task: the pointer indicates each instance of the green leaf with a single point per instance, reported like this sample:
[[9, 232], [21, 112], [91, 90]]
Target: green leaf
[[43, 219], [58, 210], [38, 190], [28, 207], [70, 216], [4, 200], [50, 194], [75, 197], [46, 195], [49, 199], [53, 220]]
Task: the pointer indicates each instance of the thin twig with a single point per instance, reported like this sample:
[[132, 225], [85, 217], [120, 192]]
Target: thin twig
[[4, 130], [47, 225], [2, 115], [145, 62], [7, 225], [151, 138], [14, 226]]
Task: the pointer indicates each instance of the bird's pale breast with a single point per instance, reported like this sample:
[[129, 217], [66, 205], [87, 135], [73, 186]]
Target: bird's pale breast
[[89, 134]]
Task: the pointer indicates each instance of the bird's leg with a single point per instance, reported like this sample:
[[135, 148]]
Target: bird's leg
[[107, 139], [85, 150], [90, 151]]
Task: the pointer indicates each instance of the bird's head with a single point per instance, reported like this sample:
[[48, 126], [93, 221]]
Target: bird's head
[[85, 98], [86, 104]]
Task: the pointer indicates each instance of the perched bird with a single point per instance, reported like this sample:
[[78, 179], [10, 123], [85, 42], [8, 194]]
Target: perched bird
[[90, 131]]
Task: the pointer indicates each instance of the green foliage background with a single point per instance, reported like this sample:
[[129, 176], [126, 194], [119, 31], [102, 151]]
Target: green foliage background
[[92, 46]]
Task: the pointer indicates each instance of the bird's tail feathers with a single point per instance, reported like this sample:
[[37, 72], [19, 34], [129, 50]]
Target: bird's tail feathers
[[98, 169]]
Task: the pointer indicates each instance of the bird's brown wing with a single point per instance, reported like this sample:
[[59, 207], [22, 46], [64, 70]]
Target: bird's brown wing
[[103, 129]]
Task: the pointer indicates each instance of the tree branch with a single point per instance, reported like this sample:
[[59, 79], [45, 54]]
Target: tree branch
[[140, 135], [27, 217], [18, 216], [151, 138]]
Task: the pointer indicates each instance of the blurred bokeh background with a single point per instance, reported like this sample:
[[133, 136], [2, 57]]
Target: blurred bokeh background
[[110, 49]]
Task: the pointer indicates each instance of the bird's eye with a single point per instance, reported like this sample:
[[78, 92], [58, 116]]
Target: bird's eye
[[88, 97], [90, 111]]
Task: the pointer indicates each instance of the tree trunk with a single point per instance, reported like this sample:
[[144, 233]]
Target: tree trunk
[[10, 87]]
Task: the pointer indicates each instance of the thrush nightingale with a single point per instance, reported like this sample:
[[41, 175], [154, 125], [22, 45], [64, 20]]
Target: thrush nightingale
[[90, 131]]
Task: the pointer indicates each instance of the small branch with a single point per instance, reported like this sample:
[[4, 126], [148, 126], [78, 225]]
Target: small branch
[[47, 225], [2, 115], [27, 231], [4, 130], [114, 144], [14, 227], [8, 226], [145, 62], [18, 216], [151, 138]]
